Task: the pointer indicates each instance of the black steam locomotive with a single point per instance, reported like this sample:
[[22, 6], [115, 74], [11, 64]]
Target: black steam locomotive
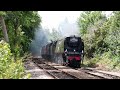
[[67, 51]]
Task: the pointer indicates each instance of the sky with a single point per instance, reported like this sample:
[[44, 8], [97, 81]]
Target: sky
[[51, 19]]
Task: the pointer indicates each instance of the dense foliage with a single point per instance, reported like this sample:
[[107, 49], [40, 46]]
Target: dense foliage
[[9, 68], [21, 26], [17, 29], [101, 36]]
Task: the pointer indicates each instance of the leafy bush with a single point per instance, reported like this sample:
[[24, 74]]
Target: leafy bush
[[105, 61], [91, 62], [9, 68]]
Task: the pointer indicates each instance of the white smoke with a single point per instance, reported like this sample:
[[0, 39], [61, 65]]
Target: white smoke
[[39, 41], [67, 29]]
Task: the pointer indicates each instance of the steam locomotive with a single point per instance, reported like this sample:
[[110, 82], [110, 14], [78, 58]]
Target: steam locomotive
[[67, 51]]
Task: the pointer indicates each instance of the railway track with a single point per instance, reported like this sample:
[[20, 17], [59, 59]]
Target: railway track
[[62, 72], [100, 73], [54, 72]]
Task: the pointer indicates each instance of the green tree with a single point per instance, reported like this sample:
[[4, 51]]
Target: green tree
[[113, 35], [21, 26], [101, 35], [90, 24]]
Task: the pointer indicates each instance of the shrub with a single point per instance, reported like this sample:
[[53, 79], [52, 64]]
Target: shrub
[[9, 68], [105, 61]]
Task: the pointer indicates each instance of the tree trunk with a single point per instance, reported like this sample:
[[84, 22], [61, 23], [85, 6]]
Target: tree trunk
[[4, 29]]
